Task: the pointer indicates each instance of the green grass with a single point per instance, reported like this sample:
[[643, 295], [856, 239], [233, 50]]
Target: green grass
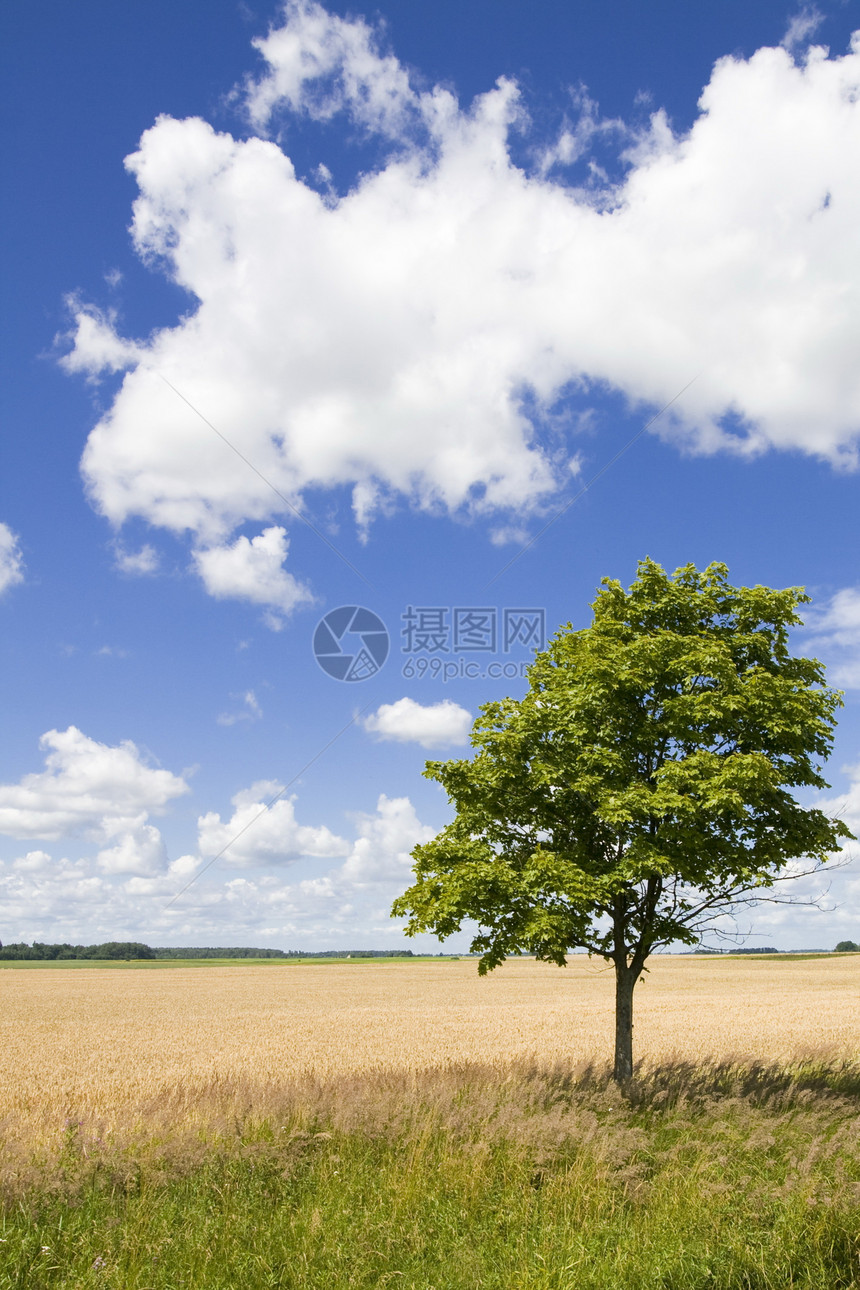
[[243, 962], [356, 962], [785, 956], [469, 1179]]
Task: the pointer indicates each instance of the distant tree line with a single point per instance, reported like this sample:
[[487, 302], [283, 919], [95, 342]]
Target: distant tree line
[[215, 952], [844, 947], [109, 950], [245, 952], [135, 950], [758, 949]]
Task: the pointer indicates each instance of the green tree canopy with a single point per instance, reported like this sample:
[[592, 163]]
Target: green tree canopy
[[643, 785]]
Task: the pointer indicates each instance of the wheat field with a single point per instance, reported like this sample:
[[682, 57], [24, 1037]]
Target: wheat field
[[106, 1044]]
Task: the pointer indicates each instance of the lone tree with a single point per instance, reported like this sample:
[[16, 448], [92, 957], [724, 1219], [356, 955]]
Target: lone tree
[[641, 788]]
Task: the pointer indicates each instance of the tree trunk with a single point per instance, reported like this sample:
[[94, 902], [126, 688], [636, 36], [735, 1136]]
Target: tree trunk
[[625, 980]]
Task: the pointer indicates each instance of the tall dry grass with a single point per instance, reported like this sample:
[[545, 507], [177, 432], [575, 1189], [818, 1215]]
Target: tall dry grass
[[546, 1113], [722, 1176]]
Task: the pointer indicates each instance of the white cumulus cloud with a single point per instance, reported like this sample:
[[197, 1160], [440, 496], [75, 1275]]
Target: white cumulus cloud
[[265, 836], [86, 901], [11, 560], [138, 563], [382, 850], [33, 862], [96, 346], [127, 889], [433, 725], [415, 335], [139, 851], [346, 903], [252, 569], [86, 789], [320, 64]]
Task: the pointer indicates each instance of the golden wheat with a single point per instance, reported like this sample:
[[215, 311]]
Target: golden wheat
[[94, 1044]]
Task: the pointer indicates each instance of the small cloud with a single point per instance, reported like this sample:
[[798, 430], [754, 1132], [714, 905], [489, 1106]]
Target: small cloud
[[509, 534], [252, 569], [251, 711], [273, 621], [803, 25], [433, 726], [112, 651], [96, 347], [138, 563], [33, 862], [184, 866], [11, 560], [113, 277], [576, 140], [252, 704]]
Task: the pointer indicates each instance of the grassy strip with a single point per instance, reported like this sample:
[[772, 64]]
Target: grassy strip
[[785, 956], [156, 964], [466, 1179]]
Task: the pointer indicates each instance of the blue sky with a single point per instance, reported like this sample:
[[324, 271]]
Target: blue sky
[[422, 273]]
